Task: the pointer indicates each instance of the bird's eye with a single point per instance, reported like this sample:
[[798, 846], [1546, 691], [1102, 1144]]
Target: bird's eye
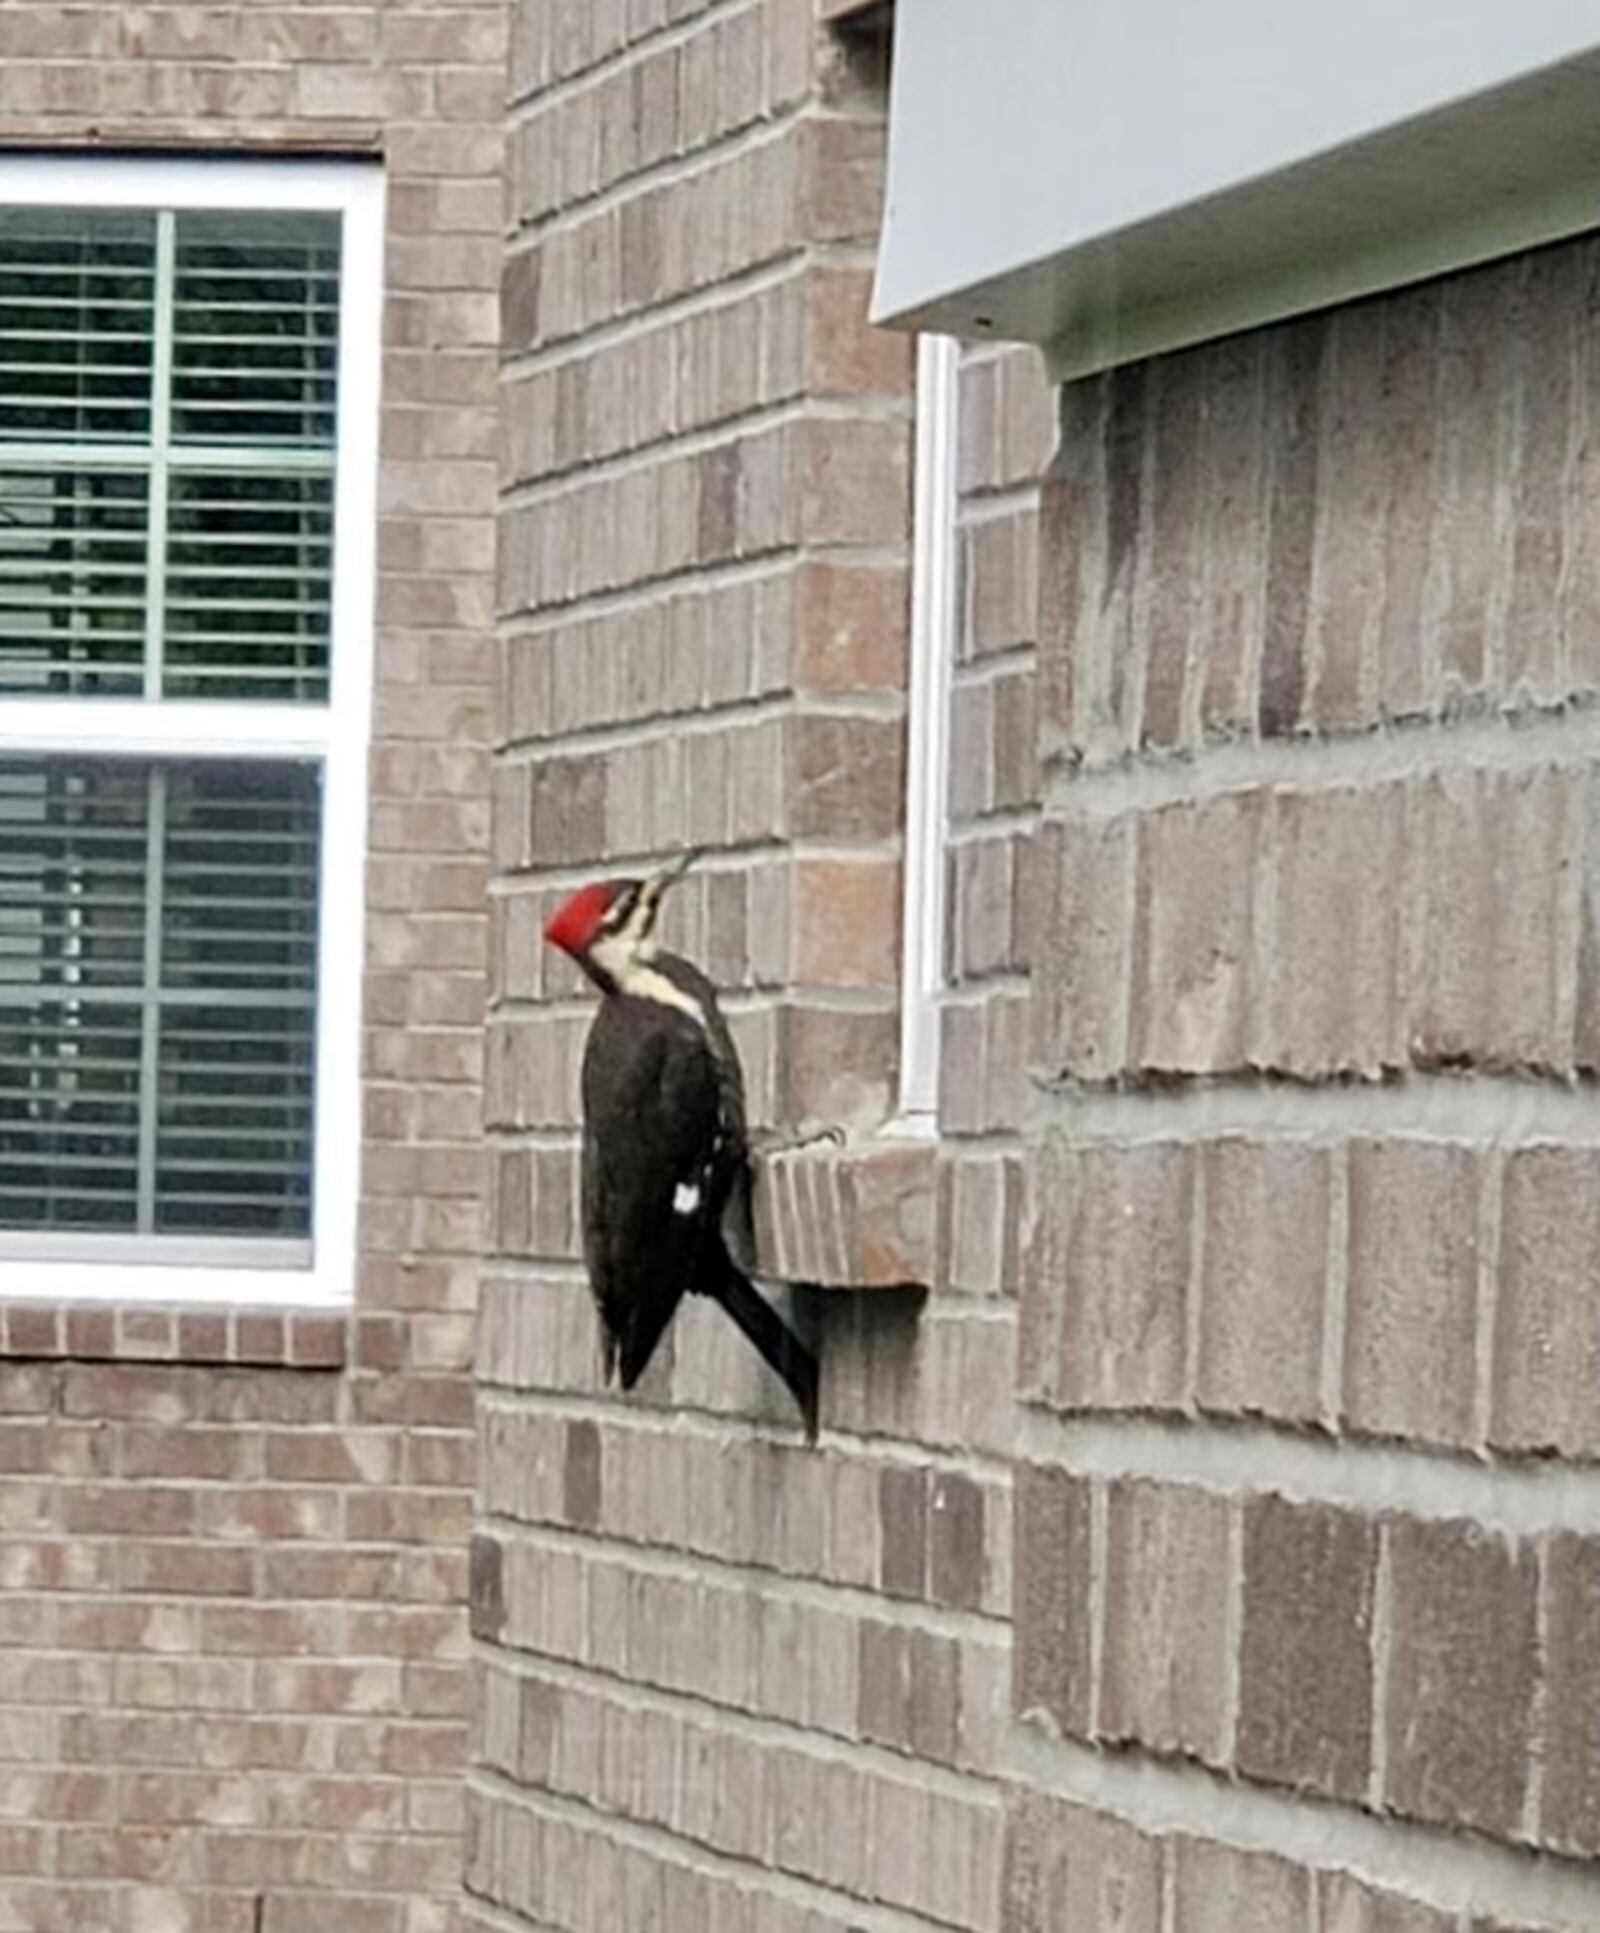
[[620, 911]]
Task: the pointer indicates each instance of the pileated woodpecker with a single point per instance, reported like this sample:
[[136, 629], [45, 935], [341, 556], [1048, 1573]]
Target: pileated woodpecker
[[665, 1151]]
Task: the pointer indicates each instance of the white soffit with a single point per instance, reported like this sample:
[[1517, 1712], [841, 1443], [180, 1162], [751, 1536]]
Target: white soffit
[[1117, 178]]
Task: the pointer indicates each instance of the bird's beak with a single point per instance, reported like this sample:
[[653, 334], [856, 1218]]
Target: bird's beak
[[655, 888], [673, 871]]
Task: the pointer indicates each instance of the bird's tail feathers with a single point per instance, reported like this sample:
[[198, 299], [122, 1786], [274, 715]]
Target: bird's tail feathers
[[780, 1347]]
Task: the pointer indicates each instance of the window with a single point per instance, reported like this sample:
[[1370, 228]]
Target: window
[[188, 448], [933, 634]]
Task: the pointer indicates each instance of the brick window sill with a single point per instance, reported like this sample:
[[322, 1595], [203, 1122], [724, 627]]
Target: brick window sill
[[172, 1333], [857, 1217]]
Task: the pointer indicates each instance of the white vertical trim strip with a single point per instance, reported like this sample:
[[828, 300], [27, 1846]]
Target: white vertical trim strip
[[933, 643], [341, 925]]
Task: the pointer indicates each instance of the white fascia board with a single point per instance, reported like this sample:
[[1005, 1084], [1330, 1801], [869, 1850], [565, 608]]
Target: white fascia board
[[1118, 178]]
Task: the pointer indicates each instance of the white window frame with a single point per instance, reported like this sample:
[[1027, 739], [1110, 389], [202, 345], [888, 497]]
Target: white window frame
[[66, 1266], [929, 674]]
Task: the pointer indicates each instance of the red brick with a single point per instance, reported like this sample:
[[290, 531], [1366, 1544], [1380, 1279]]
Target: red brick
[[1547, 1325], [1164, 1665], [1496, 951], [1106, 1284], [1263, 1279], [1411, 1324], [1081, 874], [1050, 1604], [1192, 975], [1067, 1866], [1570, 1819], [852, 624], [1334, 997], [1462, 1661], [1305, 1669]]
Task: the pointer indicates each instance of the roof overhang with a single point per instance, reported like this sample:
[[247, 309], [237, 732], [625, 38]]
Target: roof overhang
[[1117, 178]]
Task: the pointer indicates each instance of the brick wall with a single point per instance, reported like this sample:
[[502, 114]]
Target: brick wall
[[1193, 1559], [1308, 1293], [232, 1582]]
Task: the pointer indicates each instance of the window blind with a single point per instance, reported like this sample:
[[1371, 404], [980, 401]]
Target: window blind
[[157, 995], [167, 451]]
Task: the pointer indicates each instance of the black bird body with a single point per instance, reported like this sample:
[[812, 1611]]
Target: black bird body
[[666, 1160], [663, 1147]]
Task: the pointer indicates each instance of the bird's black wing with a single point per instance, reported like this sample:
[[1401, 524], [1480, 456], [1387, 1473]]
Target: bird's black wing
[[651, 1115], [731, 1176]]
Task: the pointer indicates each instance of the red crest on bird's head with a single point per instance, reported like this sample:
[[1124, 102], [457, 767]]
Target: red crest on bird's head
[[574, 923]]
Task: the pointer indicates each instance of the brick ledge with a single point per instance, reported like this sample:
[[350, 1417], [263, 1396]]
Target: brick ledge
[[148, 1332], [857, 1217]]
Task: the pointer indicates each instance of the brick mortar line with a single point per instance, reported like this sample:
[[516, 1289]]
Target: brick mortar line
[[688, 581], [739, 1001], [1539, 1714], [704, 721], [1336, 1290], [1348, 1473], [632, 53], [802, 407], [983, 1143], [1501, 744], [1009, 981], [671, 171], [680, 304], [755, 1728], [1382, 1639], [1454, 1871], [746, 858], [684, 301], [1472, 1110], [720, 1432], [1097, 1594], [985, 504], [657, 1842], [1003, 819], [562, 352], [1491, 1183], [674, 171], [993, 664], [652, 588], [816, 1594], [1233, 1639], [502, 1919], [1168, 1887]]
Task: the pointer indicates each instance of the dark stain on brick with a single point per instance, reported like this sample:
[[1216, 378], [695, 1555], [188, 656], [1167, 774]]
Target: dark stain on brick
[[883, 1673], [718, 526], [519, 299], [581, 1475], [1305, 1694], [903, 1528], [567, 810], [540, 1722], [486, 1588], [955, 1543], [1294, 377]]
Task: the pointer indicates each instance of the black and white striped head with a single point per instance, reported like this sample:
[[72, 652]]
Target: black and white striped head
[[609, 927]]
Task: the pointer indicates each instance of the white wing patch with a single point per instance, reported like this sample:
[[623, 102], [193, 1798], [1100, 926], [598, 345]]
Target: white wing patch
[[685, 1198]]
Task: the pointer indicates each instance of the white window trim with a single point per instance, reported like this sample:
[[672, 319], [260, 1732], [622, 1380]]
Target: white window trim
[[37, 1266], [932, 656]]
